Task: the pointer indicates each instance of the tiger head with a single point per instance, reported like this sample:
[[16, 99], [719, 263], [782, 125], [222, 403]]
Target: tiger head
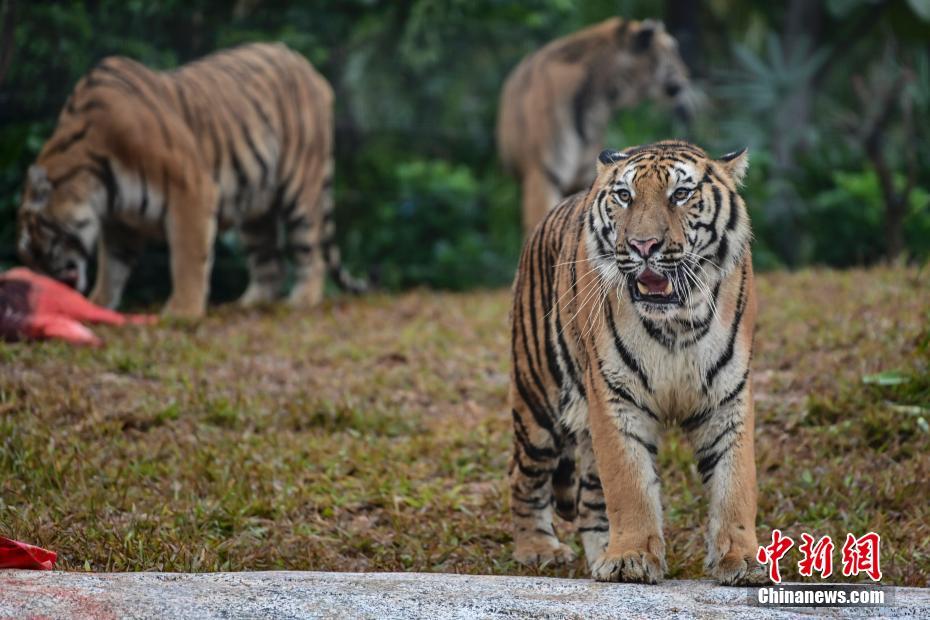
[[649, 65], [667, 220], [58, 226]]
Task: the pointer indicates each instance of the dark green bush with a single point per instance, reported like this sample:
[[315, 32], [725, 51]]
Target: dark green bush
[[432, 222], [420, 197], [845, 224]]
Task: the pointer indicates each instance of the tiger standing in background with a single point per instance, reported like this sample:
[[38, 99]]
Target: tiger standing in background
[[242, 138], [634, 307], [556, 104]]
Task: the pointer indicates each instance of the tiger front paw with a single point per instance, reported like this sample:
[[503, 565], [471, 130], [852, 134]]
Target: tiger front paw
[[736, 569], [179, 309], [628, 567], [543, 551]]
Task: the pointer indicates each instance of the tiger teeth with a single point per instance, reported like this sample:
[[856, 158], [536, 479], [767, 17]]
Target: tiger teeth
[[644, 290]]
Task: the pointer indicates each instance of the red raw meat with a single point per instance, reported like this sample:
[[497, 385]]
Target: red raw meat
[[34, 306], [15, 554]]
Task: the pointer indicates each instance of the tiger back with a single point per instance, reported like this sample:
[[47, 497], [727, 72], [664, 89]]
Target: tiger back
[[557, 102], [634, 308], [241, 138]]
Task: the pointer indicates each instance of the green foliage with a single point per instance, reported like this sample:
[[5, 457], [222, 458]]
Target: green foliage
[[846, 222], [372, 435], [421, 199], [429, 219], [19, 143]]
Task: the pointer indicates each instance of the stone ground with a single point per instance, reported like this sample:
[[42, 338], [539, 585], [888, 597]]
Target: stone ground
[[288, 594]]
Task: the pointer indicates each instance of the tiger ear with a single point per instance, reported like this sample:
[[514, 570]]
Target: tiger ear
[[609, 157], [644, 35], [40, 185], [736, 164]]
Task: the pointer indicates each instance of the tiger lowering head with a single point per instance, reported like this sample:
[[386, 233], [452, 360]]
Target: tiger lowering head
[[556, 104], [633, 309], [241, 138]]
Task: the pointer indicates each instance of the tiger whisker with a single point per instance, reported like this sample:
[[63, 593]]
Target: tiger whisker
[[593, 319], [704, 289], [697, 259], [582, 260], [688, 277], [582, 305], [585, 290], [562, 296], [620, 287], [702, 268], [694, 265], [677, 274], [689, 304], [692, 277]]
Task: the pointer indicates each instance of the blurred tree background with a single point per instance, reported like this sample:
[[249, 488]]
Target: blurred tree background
[[832, 97]]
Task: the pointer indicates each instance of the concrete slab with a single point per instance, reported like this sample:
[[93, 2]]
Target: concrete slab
[[283, 594]]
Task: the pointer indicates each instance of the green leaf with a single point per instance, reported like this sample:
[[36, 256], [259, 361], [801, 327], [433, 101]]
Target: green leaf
[[887, 377], [916, 410]]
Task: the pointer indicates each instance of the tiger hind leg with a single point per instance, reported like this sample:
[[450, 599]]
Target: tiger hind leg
[[304, 230], [536, 460], [565, 483], [266, 262], [592, 510]]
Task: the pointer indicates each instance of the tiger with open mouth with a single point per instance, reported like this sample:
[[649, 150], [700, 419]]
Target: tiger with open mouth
[[634, 308]]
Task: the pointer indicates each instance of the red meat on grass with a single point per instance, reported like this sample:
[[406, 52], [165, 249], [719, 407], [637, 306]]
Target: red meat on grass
[[36, 307]]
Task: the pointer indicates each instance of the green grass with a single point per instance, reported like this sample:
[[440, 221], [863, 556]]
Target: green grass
[[372, 434]]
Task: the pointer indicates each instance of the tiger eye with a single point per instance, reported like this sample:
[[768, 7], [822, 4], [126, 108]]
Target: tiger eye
[[681, 193], [624, 195]]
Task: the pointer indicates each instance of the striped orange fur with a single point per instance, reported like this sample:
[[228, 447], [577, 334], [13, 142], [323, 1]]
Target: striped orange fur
[[634, 308], [242, 138], [556, 104]]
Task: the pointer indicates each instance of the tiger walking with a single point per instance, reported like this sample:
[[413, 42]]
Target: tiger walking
[[242, 138], [556, 104], [634, 307]]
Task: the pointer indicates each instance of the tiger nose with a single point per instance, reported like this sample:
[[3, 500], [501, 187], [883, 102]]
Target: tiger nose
[[645, 247]]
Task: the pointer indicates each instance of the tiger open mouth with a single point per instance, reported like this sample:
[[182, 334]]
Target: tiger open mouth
[[654, 288]]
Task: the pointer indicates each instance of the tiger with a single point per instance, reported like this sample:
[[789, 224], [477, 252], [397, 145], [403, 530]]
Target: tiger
[[242, 138], [634, 308], [556, 104]]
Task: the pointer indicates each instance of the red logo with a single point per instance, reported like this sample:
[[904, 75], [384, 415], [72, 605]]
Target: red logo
[[860, 555], [817, 557], [773, 553]]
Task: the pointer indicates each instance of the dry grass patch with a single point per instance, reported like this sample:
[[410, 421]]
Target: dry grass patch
[[372, 434]]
